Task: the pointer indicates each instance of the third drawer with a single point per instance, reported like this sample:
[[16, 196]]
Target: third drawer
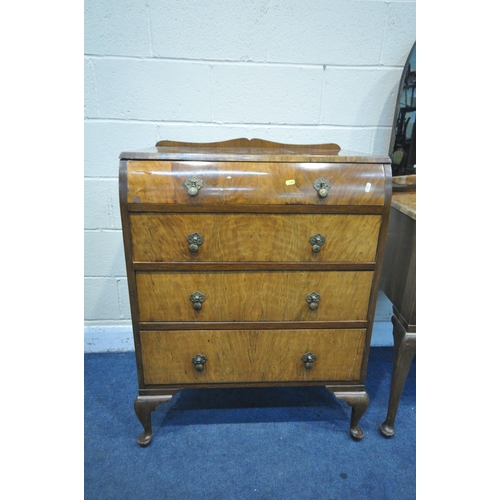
[[253, 296]]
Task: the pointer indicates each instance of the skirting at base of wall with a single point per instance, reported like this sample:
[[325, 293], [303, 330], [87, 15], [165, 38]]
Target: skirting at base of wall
[[382, 334], [119, 338], [106, 338]]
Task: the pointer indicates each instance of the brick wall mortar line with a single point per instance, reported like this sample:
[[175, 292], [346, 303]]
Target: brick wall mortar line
[[322, 94], [233, 124], [377, 66], [384, 32], [150, 32]]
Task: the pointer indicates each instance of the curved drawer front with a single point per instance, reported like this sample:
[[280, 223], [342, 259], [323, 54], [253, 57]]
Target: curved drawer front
[[253, 296], [251, 356], [247, 238], [254, 183]]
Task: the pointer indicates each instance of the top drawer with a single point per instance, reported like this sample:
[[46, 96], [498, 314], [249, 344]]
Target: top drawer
[[254, 183]]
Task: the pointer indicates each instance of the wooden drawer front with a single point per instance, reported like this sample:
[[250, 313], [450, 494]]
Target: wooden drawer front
[[251, 356], [255, 183], [253, 296], [258, 238]]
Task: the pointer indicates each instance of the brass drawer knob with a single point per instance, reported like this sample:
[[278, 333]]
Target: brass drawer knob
[[199, 361], [313, 298], [193, 185], [195, 240], [308, 358], [197, 298], [322, 186], [317, 241]]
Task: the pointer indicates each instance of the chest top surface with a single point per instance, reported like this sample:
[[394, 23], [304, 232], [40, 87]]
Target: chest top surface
[[251, 150]]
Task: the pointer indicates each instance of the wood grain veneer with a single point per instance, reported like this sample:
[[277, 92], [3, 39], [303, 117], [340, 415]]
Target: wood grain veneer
[[253, 238], [251, 355], [254, 296], [250, 183], [256, 211], [250, 146]]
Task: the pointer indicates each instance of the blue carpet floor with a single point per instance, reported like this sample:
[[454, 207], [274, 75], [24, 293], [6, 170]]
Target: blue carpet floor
[[266, 443]]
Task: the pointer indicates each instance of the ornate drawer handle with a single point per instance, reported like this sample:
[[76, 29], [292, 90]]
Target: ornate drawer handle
[[322, 186], [197, 298], [317, 241], [195, 240], [193, 185], [313, 298], [308, 358], [198, 361]]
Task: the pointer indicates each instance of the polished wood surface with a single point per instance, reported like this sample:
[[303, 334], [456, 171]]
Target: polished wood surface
[[253, 238], [405, 347], [258, 146], [399, 278], [257, 210], [255, 150], [254, 296], [251, 325], [406, 203], [254, 183], [399, 284], [251, 356]]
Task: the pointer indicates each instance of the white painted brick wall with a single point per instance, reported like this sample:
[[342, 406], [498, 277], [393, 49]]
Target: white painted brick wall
[[219, 30], [259, 93], [193, 70], [360, 97], [153, 89], [333, 32]]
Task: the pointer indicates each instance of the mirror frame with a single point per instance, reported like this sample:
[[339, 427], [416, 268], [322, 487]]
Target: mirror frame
[[398, 101]]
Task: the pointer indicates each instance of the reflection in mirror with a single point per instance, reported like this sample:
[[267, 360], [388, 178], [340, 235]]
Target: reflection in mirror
[[404, 134]]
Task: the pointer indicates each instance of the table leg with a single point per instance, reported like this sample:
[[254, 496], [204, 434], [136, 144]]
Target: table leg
[[404, 352]]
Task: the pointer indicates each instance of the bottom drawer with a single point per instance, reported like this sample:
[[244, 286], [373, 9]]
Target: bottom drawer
[[239, 356]]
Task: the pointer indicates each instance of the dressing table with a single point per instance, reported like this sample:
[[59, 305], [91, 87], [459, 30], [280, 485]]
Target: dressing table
[[398, 282]]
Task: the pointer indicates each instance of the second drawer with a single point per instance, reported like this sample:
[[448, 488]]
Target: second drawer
[[247, 237]]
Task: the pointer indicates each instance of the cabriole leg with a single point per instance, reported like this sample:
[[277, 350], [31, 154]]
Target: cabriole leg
[[359, 402], [143, 407], [404, 352]]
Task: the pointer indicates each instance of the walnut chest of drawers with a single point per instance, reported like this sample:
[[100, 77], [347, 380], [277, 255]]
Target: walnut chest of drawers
[[252, 263]]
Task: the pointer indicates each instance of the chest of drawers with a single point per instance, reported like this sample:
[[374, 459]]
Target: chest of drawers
[[252, 263]]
